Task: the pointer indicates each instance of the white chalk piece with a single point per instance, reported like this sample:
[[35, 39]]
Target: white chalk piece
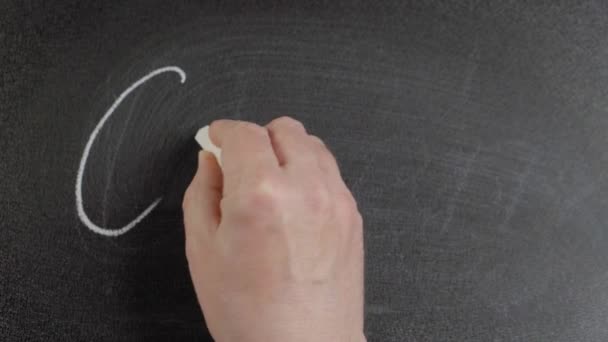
[[202, 137]]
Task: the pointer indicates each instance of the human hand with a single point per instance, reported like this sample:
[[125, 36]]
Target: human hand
[[274, 238]]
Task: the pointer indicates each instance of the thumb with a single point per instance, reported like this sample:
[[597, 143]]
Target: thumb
[[201, 204]]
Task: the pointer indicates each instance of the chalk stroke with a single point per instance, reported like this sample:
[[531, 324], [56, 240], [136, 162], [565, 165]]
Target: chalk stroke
[[87, 150]]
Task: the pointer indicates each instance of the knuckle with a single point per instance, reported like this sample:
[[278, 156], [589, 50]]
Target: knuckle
[[249, 128], [348, 201], [358, 220], [286, 121], [264, 198], [260, 202], [355, 223], [328, 159], [323, 151], [347, 210], [317, 141]]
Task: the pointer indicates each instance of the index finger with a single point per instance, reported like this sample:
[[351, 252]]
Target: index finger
[[245, 146]]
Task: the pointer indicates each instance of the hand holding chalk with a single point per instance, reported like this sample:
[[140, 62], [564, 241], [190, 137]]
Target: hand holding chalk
[[274, 243]]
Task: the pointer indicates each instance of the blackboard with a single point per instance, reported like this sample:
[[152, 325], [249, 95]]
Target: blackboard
[[473, 135]]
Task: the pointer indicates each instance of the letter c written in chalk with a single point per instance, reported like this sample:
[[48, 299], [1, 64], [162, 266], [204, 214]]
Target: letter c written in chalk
[[87, 150]]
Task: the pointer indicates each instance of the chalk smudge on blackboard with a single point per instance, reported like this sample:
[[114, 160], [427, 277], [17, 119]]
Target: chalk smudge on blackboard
[[110, 232]]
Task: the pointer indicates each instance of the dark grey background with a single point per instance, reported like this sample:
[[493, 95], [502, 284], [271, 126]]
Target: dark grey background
[[473, 135]]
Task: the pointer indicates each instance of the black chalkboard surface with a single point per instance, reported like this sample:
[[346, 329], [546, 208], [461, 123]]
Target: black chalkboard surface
[[473, 134]]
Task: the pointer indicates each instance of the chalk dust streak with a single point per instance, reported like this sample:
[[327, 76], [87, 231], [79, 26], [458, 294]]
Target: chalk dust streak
[[87, 150]]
